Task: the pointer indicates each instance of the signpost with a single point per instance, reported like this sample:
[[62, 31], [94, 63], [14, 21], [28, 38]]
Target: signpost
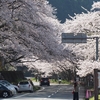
[[82, 38], [74, 38], [95, 84], [99, 79]]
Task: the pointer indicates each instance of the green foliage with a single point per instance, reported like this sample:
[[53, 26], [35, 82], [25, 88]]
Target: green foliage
[[62, 82], [36, 88], [65, 82], [92, 98]]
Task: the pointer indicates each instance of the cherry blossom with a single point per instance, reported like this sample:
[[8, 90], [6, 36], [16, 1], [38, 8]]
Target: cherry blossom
[[88, 23], [30, 34]]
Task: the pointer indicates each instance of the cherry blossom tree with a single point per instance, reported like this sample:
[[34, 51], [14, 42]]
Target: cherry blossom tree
[[30, 34], [88, 23], [29, 31], [26, 26]]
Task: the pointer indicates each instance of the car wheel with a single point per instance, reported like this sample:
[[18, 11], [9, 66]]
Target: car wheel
[[31, 90], [16, 90], [5, 94], [19, 91]]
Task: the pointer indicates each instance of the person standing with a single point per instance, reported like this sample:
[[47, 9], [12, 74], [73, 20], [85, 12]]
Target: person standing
[[59, 80], [75, 91]]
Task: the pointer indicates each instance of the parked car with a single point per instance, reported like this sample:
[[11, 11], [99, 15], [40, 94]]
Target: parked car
[[44, 81], [5, 82], [25, 85], [5, 92]]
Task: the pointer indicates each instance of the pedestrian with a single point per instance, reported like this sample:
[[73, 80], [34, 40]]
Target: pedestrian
[[59, 80], [75, 91], [31, 82]]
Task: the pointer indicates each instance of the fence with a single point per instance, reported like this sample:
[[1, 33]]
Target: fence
[[12, 76]]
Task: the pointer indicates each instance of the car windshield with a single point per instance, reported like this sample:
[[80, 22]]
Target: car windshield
[[5, 83], [44, 78]]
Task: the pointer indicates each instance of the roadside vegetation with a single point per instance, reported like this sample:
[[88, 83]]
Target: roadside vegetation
[[36, 88], [92, 98], [54, 81], [62, 81]]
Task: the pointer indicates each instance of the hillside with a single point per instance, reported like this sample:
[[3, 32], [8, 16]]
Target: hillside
[[65, 7]]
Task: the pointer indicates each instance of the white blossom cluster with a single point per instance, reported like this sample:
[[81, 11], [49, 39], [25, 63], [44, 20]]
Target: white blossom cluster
[[28, 26], [30, 30], [88, 23]]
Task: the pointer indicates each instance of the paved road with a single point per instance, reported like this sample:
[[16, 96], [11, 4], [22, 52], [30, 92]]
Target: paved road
[[52, 92]]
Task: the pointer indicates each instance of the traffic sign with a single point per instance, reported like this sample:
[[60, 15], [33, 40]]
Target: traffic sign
[[74, 38]]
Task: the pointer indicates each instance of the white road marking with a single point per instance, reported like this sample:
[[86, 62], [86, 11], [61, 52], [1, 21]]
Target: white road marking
[[41, 89], [21, 95]]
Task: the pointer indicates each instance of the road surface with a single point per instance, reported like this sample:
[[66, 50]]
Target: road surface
[[52, 92]]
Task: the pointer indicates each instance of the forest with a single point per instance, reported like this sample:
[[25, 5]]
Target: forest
[[69, 7]]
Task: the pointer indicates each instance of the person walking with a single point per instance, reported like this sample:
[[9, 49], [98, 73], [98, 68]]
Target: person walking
[[59, 80], [75, 91]]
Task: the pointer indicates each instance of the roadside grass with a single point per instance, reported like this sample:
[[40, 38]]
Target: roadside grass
[[62, 82], [36, 88], [54, 81], [33, 79], [92, 98], [65, 82]]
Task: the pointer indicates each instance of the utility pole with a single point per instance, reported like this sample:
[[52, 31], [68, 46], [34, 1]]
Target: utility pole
[[95, 84], [97, 38], [96, 73], [82, 38]]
